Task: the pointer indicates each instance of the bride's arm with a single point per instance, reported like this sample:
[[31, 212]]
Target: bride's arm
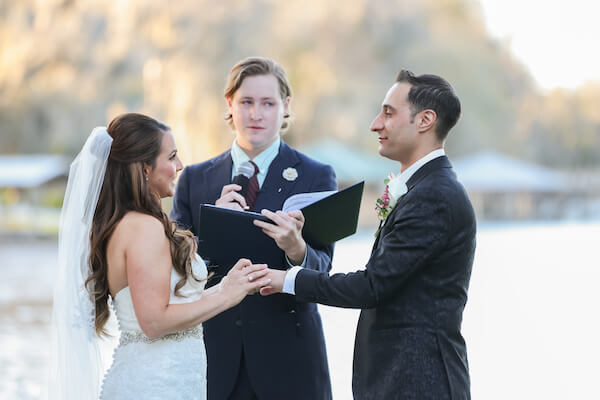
[[148, 264]]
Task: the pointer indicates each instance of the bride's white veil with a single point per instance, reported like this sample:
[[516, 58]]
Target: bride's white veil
[[76, 369]]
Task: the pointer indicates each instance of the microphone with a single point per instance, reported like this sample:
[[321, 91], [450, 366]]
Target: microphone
[[242, 177]]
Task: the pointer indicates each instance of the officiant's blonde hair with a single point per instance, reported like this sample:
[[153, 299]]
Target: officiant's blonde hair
[[253, 66]]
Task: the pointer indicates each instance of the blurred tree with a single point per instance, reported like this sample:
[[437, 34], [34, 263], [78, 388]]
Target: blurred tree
[[69, 65]]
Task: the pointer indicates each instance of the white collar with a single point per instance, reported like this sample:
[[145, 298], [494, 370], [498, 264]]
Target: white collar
[[262, 160], [410, 171]]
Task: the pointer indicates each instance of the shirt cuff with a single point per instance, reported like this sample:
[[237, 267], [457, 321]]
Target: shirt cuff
[[303, 261], [289, 283]]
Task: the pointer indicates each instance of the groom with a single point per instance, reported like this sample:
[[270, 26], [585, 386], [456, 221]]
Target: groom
[[414, 288]]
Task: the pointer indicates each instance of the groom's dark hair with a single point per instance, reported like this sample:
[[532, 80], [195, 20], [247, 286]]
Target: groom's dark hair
[[431, 92]]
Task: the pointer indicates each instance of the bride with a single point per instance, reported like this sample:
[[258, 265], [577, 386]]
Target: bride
[[116, 243]]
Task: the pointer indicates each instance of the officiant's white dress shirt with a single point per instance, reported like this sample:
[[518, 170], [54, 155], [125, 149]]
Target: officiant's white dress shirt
[[263, 160]]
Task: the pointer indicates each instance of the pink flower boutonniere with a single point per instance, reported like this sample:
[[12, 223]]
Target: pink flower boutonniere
[[382, 204], [394, 189]]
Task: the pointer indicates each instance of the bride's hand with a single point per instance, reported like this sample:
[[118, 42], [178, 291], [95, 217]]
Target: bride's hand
[[242, 279]]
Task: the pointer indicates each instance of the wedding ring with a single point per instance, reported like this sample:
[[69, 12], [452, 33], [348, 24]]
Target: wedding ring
[[249, 277]]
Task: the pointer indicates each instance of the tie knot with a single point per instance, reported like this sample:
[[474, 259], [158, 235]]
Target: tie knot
[[255, 168]]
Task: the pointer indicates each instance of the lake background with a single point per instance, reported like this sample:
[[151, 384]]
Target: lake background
[[531, 322]]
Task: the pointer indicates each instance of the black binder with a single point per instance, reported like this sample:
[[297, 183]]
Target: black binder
[[333, 217], [225, 235]]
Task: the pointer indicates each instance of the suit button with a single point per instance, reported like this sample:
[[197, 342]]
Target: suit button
[[238, 322], [298, 324], [292, 311]]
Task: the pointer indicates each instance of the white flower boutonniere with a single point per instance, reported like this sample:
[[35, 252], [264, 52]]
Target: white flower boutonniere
[[394, 189], [397, 188], [290, 174]]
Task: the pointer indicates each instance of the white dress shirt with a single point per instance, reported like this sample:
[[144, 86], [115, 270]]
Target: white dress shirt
[[263, 160], [289, 284]]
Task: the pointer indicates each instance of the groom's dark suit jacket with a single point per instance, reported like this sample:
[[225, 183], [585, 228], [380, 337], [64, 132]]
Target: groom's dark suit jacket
[[412, 294], [281, 338]]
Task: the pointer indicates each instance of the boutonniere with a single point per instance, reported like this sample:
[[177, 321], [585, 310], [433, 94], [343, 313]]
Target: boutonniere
[[394, 189], [290, 174]]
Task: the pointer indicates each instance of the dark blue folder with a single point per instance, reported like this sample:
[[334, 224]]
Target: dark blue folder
[[225, 235]]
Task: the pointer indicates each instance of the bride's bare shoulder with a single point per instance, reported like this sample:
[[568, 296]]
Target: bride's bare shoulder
[[136, 224]]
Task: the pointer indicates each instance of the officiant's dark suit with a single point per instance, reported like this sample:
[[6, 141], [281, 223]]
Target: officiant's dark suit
[[281, 338], [414, 288]]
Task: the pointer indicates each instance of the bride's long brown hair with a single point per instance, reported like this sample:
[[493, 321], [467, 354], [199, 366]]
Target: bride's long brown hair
[[136, 142]]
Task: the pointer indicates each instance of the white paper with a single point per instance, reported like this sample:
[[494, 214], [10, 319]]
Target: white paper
[[301, 200]]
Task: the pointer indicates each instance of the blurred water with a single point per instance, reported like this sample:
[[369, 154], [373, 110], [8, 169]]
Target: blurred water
[[26, 280], [531, 323]]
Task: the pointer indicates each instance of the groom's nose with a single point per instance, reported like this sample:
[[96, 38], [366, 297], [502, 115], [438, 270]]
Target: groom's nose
[[377, 124]]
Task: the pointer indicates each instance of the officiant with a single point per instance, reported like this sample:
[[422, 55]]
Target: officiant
[[295, 366]]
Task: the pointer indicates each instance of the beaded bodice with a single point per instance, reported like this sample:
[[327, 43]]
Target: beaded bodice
[[172, 367]]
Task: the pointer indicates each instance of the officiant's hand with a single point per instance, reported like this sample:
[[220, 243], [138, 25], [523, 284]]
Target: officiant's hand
[[286, 230], [242, 279], [230, 198], [276, 286]]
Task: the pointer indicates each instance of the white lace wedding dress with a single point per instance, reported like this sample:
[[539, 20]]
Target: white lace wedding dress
[[171, 367]]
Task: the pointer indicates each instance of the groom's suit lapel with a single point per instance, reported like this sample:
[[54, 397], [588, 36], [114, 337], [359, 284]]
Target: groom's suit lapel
[[435, 164]]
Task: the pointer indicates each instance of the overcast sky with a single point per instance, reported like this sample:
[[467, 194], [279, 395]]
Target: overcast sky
[[556, 39]]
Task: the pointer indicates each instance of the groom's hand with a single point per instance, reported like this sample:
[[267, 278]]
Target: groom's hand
[[276, 286], [286, 230]]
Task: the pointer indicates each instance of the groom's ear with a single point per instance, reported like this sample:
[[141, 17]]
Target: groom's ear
[[426, 120]]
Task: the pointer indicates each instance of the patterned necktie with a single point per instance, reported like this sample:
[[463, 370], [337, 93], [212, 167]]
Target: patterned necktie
[[252, 188]]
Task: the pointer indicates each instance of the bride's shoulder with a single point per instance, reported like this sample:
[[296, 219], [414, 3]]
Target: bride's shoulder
[[136, 224], [138, 218]]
